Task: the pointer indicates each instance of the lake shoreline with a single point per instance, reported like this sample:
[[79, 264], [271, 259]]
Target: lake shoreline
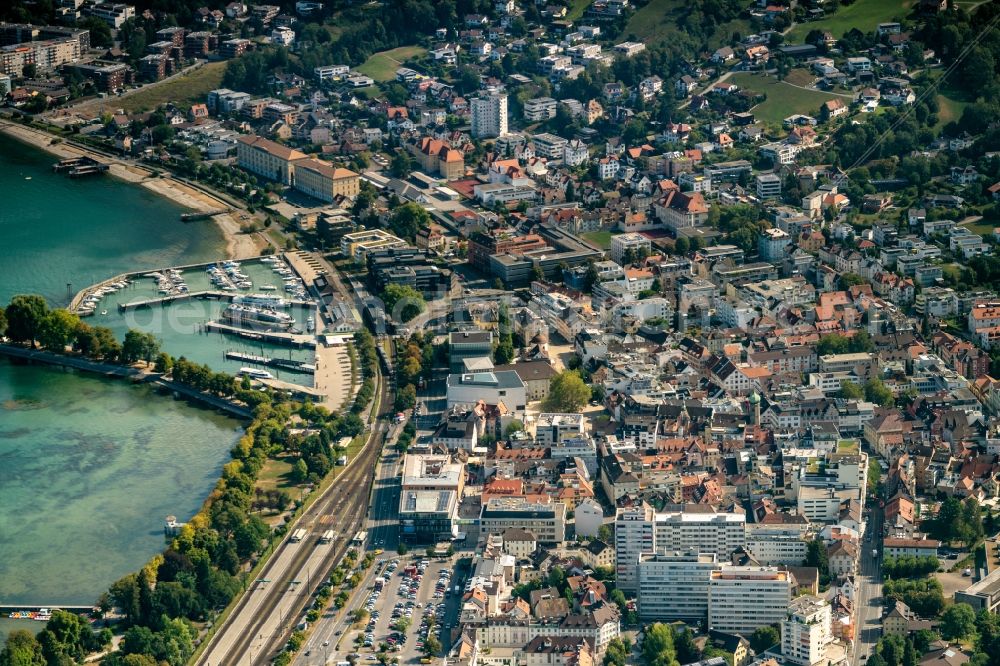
[[238, 244]]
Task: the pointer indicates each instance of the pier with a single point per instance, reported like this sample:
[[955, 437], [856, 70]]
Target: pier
[[299, 340], [7, 609], [204, 215], [75, 167], [170, 298], [283, 363], [200, 295]]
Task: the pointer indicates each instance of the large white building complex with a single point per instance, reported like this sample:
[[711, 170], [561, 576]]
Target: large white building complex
[[694, 528], [740, 599], [674, 586]]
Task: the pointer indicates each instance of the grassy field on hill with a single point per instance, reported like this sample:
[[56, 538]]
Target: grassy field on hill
[[186, 89], [865, 15], [382, 66], [783, 99], [657, 21]]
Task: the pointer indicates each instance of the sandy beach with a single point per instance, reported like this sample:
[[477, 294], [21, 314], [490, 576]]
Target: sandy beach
[[238, 245]]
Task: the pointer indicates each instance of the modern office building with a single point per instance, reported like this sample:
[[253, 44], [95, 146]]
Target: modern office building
[[430, 493], [545, 519], [550, 429]]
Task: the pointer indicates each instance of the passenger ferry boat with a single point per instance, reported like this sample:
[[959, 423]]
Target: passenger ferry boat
[[255, 317]]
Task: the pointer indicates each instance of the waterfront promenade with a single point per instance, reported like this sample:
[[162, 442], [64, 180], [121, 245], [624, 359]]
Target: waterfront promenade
[[122, 371]]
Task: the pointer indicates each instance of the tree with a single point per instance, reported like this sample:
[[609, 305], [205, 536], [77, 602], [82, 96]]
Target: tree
[[58, 329], [164, 362], [764, 637], [25, 315], [432, 646], [834, 343], [408, 219], [162, 134], [402, 164], [403, 302], [958, 622], [876, 391], [300, 472], [3, 322], [682, 246], [567, 393], [687, 651], [658, 646], [537, 274], [406, 398], [504, 353], [816, 557], [850, 390], [21, 649], [139, 346], [616, 653], [100, 32]]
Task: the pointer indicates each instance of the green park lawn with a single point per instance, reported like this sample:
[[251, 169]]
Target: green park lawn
[[783, 99], [602, 239], [382, 66], [275, 474], [865, 15]]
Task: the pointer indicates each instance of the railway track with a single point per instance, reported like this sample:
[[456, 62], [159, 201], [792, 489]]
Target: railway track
[[346, 505]]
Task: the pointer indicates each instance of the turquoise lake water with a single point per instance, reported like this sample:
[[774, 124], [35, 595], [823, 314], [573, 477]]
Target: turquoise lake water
[[90, 467]]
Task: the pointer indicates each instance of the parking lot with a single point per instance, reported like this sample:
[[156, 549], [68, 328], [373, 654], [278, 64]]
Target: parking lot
[[413, 596]]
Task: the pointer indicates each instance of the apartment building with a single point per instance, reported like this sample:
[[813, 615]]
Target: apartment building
[[44, 55], [539, 109], [113, 13], [674, 586], [622, 243], [489, 116], [743, 598], [550, 429], [807, 631], [45, 47]]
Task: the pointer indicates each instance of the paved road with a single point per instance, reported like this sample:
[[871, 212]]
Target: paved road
[[383, 529], [869, 604], [269, 610]]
